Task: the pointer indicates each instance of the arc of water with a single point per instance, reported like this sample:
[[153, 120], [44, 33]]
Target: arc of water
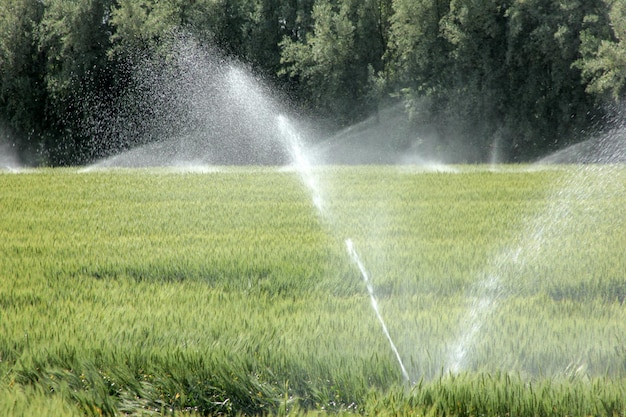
[[301, 162], [370, 289], [293, 142]]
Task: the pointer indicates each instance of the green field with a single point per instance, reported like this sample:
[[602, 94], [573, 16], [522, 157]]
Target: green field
[[140, 292]]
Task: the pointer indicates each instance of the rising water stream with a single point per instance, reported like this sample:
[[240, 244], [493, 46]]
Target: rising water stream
[[294, 143], [370, 289]]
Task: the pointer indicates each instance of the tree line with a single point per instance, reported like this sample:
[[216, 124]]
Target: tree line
[[527, 75]]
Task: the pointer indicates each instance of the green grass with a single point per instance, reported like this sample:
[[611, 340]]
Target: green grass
[[159, 292]]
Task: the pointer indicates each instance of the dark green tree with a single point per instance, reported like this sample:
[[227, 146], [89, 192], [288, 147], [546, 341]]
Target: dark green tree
[[22, 69], [334, 62], [271, 21], [74, 37], [417, 62], [471, 104], [492, 72], [323, 60], [547, 106], [417, 54], [139, 25], [603, 61]]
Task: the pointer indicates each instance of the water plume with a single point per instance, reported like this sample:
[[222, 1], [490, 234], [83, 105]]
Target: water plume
[[199, 109], [8, 157], [484, 300], [370, 290], [189, 107], [301, 162], [361, 144], [607, 148], [514, 270], [303, 166]]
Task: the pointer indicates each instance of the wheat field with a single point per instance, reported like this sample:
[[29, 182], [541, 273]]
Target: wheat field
[[225, 292]]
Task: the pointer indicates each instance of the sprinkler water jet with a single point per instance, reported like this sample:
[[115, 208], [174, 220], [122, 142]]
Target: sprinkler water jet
[[370, 290]]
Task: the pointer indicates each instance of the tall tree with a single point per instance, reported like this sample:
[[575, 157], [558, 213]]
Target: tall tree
[[74, 36], [141, 24], [476, 101], [488, 71], [22, 91], [530, 71], [547, 105], [417, 55], [332, 62], [270, 22], [603, 59]]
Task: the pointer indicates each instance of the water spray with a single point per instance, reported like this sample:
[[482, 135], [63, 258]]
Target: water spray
[[294, 143], [370, 289], [301, 162]]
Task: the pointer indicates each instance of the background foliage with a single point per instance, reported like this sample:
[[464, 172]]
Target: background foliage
[[529, 75]]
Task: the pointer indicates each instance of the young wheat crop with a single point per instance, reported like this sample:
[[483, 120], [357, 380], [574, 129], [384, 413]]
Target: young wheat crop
[[154, 291]]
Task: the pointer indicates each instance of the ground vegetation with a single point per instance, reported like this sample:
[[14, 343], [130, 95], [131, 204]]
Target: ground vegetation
[[177, 292]]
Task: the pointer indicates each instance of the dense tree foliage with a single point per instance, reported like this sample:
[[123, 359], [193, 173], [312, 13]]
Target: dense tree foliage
[[22, 70], [524, 75], [604, 54]]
